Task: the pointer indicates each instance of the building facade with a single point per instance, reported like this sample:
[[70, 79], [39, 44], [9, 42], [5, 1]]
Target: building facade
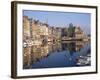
[[26, 28]]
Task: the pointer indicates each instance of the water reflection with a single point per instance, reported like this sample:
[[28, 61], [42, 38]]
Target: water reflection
[[60, 54]]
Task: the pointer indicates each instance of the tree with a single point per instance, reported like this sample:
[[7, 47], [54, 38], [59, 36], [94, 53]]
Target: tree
[[64, 31], [71, 30]]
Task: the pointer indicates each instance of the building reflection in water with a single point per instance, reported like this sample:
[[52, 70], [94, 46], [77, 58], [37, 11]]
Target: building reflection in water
[[35, 53]]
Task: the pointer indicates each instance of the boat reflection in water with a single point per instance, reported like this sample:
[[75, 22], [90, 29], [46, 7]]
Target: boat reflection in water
[[60, 54]]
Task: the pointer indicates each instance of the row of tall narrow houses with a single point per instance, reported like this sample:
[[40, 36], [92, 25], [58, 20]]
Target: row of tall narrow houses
[[38, 31]]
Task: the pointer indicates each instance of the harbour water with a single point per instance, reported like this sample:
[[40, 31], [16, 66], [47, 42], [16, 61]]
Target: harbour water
[[59, 54]]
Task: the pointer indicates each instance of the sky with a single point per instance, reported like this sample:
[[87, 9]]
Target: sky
[[62, 19]]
